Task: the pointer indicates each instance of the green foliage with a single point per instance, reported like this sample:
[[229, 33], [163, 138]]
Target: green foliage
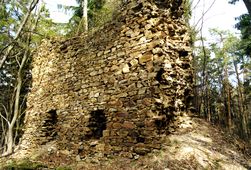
[[217, 66], [26, 164], [187, 10], [99, 12], [12, 14], [103, 15], [244, 25], [93, 7]]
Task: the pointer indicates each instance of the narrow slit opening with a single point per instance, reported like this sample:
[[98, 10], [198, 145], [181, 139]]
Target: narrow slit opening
[[49, 126]]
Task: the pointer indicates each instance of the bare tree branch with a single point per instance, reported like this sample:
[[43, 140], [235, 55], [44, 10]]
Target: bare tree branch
[[5, 113], [9, 49], [4, 118], [196, 5], [204, 13]]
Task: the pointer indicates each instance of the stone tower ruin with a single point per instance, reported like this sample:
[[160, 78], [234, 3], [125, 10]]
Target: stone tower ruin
[[117, 91]]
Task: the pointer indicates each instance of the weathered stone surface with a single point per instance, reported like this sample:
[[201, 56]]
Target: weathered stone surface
[[117, 125], [146, 57], [128, 125], [134, 62], [126, 68], [122, 87]]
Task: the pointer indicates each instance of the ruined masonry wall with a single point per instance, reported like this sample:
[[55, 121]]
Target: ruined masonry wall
[[116, 91]]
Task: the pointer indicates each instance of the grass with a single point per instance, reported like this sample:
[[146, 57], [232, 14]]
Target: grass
[[23, 165], [29, 165]]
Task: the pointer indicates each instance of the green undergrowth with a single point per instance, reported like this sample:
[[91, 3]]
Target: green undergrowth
[[23, 165], [28, 165]]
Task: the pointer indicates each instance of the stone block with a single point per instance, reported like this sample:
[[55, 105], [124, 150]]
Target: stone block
[[117, 125], [146, 57], [128, 125]]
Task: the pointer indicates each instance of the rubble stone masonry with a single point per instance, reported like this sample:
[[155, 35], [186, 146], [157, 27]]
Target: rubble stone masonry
[[117, 91]]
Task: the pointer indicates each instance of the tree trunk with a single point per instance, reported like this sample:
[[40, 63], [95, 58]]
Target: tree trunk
[[85, 14], [241, 103], [221, 99], [227, 99], [10, 138], [204, 78], [10, 132], [209, 116], [83, 24], [2, 138]]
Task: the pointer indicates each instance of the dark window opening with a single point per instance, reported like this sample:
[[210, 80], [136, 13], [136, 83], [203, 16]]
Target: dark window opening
[[50, 123], [140, 139], [159, 77], [137, 135], [176, 5], [137, 8], [183, 53], [162, 124], [97, 124], [162, 4], [185, 66]]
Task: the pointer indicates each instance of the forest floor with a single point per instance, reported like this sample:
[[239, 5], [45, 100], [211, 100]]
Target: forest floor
[[197, 145]]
